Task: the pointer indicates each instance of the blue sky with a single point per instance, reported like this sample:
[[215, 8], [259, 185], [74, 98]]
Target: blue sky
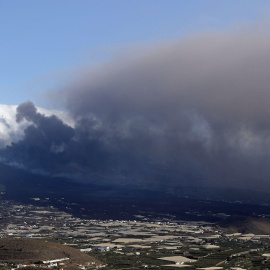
[[41, 41]]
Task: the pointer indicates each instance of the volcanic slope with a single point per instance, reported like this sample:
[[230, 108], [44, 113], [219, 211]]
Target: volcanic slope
[[244, 224], [15, 250]]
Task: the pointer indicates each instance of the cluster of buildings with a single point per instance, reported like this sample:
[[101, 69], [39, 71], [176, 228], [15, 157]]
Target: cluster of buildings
[[168, 243]]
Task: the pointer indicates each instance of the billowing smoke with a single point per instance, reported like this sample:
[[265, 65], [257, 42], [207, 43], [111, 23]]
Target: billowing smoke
[[192, 112], [51, 146], [12, 131]]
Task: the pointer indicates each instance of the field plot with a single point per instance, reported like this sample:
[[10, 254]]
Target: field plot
[[178, 259], [177, 265]]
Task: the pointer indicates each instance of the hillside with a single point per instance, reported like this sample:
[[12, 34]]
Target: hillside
[[32, 251], [244, 224]]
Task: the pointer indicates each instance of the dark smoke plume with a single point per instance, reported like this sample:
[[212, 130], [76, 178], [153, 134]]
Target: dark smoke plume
[[193, 112]]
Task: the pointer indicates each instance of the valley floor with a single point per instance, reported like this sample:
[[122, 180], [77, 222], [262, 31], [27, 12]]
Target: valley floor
[[141, 243]]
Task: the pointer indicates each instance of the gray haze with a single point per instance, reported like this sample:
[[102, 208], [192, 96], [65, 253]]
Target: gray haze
[[192, 112]]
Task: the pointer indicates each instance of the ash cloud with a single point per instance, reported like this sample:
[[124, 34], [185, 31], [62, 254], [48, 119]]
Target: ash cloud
[[52, 147], [192, 112]]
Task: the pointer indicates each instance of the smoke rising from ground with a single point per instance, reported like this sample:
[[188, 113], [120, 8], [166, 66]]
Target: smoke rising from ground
[[192, 112]]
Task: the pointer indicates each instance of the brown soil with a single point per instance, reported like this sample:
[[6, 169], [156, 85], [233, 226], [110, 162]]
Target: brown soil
[[15, 250]]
